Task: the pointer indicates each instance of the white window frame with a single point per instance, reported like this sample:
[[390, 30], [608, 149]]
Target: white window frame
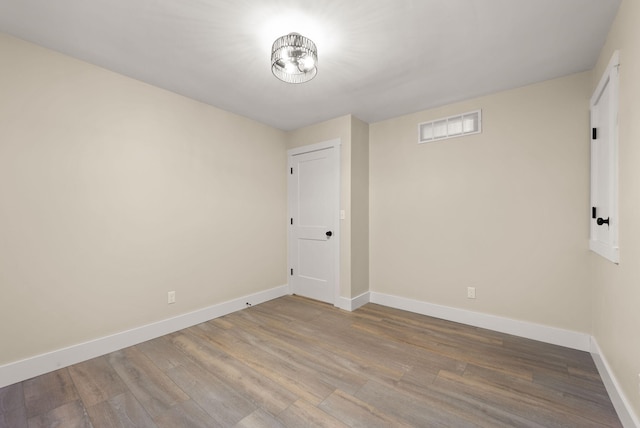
[[447, 133]]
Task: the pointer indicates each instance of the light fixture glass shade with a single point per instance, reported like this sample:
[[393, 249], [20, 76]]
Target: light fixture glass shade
[[294, 58]]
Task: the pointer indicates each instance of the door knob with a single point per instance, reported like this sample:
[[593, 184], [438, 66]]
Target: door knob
[[602, 221], [329, 233]]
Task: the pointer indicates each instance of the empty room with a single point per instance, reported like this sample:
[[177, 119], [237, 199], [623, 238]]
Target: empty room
[[287, 213]]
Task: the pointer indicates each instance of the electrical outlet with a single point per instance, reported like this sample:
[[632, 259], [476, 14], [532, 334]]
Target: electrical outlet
[[171, 297], [471, 292]]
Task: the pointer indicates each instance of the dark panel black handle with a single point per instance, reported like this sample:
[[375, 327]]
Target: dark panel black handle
[[602, 221], [329, 234]]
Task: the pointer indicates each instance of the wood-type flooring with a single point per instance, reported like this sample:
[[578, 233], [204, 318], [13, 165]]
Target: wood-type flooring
[[294, 362]]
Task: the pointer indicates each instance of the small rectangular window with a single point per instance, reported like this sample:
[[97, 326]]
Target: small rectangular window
[[452, 126]]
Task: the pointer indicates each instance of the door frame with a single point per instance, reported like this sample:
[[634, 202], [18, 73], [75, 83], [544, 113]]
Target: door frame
[[336, 144], [609, 79]]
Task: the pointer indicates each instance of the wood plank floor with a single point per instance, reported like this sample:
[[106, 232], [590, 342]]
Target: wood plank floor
[[294, 362]]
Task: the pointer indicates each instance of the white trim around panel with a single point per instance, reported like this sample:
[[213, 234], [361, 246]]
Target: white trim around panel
[[609, 81]]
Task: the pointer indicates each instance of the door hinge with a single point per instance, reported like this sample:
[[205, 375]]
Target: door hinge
[[292, 221], [291, 271], [291, 171], [593, 212], [594, 133]]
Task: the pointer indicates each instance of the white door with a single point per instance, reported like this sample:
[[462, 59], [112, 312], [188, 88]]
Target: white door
[[313, 212], [604, 165]]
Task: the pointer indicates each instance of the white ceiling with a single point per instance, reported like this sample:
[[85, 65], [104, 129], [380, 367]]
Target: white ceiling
[[377, 58]]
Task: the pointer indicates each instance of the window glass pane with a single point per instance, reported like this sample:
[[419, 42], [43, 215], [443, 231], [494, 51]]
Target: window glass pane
[[470, 123], [440, 129], [426, 132], [454, 125]]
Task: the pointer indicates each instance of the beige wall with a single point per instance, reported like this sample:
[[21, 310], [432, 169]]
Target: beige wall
[[113, 192], [359, 207], [503, 211], [616, 320]]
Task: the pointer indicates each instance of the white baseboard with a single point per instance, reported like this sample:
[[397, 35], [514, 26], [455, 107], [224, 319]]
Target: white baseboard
[[360, 300], [44, 363], [625, 412], [543, 333], [556, 336], [352, 304]]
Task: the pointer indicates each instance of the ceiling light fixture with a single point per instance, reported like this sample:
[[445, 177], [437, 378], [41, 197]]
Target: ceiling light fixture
[[294, 58]]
